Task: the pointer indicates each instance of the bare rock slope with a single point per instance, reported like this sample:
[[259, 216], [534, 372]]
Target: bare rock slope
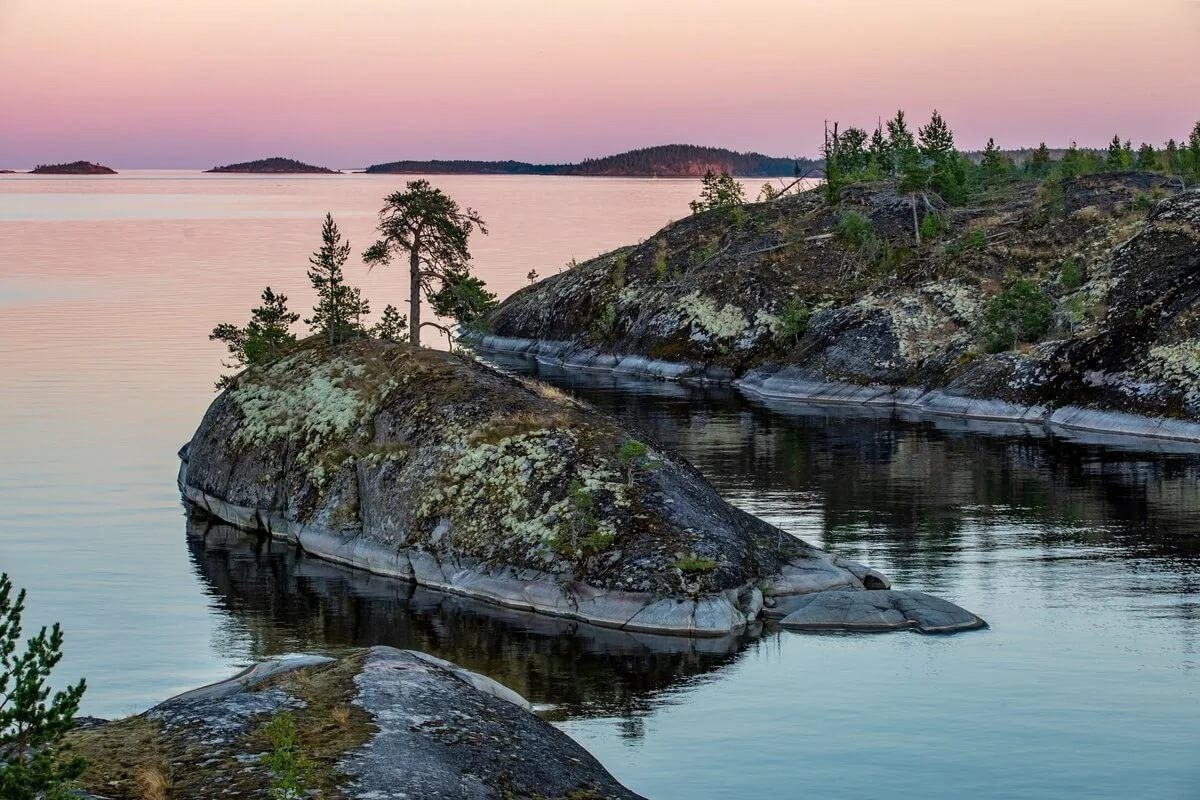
[[795, 299], [434, 468]]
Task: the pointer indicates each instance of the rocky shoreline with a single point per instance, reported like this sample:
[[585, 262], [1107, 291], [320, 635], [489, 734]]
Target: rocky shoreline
[[794, 300], [434, 469], [378, 722], [787, 385]]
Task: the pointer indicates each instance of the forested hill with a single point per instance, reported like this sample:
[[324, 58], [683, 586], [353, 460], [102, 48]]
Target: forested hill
[[663, 161]]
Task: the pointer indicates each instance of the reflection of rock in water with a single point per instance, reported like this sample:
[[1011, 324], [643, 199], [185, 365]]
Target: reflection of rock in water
[[921, 489], [287, 602]]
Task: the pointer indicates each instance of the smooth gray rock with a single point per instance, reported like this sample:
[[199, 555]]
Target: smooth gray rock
[[874, 610], [441, 736]]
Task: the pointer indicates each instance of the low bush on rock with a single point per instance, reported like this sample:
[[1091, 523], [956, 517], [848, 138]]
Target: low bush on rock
[[1022, 312]]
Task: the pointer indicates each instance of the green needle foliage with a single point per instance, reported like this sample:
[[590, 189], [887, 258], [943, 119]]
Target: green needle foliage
[[265, 338], [718, 191], [392, 326], [338, 314], [1020, 313], [34, 764], [291, 770], [427, 226]]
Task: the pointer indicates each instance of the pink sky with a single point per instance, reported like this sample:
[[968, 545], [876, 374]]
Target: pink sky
[[192, 83]]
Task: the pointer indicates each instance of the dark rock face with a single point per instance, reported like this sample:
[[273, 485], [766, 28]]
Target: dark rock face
[[417, 727], [73, 168], [775, 299], [432, 468]]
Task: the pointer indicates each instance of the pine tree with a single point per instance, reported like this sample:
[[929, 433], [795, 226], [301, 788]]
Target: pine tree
[[996, 166], [338, 305], [265, 338], [946, 170], [1171, 158], [1039, 161], [834, 175], [34, 764], [431, 228], [718, 191], [937, 141], [391, 325], [1193, 151], [900, 141], [852, 153], [1146, 157], [1116, 155], [880, 153]]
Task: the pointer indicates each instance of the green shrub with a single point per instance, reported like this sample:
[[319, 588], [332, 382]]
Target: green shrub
[[606, 323], [931, 226], [634, 456], [793, 322], [1143, 202], [1022, 312], [33, 758], [1070, 275], [718, 191], [695, 563], [976, 239], [661, 267], [291, 770], [856, 230]]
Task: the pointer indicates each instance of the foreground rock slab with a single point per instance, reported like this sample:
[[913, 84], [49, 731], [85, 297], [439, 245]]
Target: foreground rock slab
[[874, 610], [434, 468], [378, 723]]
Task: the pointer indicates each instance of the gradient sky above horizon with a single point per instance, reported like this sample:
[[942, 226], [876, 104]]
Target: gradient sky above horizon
[[193, 83]]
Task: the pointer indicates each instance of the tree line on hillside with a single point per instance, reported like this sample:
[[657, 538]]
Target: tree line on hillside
[[422, 225], [927, 160], [671, 160]]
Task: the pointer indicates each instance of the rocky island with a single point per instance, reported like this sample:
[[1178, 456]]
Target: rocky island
[[433, 468], [73, 168], [661, 161], [275, 166], [378, 722], [1073, 304]]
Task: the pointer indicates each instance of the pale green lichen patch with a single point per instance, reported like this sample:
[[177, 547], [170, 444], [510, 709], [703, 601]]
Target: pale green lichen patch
[[1179, 362], [519, 492], [307, 400], [716, 322]]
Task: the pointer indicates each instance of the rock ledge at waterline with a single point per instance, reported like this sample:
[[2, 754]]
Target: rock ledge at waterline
[[430, 467], [376, 723], [776, 300]]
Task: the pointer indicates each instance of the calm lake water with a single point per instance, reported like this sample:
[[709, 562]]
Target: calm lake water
[[1082, 557]]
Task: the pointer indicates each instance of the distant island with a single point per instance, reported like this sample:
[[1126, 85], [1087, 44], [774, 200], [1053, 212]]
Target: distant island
[[663, 161], [279, 166], [74, 168]]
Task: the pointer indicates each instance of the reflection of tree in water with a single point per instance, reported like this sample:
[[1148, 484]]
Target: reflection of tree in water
[[919, 492], [284, 602]]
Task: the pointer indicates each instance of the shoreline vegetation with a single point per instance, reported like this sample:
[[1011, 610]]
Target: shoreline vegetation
[[1056, 291]]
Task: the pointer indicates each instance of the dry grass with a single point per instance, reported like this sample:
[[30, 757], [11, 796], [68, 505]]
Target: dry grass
[[340, 716], [153, 782]]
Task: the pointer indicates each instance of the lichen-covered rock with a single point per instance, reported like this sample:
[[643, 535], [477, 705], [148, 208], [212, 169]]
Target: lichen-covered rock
[[376, 723], [779, 298], [433, 468]]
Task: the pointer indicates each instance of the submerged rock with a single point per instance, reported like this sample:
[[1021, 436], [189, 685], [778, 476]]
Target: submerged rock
[[433, 468], [878, 610], [380, 722], [782, 301]]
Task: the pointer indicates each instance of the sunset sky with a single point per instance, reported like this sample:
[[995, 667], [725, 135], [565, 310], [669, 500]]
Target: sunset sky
[[192, 83]]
